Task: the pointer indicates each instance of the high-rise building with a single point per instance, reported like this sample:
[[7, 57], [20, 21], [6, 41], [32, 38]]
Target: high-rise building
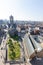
[[11, 20], [12, 27]]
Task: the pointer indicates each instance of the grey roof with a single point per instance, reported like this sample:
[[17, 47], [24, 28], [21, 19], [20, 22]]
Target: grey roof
[[28, 45]]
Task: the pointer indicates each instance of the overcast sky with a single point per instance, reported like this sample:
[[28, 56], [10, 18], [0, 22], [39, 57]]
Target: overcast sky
[[22, 9]]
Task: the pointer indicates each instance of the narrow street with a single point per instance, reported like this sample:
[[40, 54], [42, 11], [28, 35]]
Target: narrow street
[[3, 50]]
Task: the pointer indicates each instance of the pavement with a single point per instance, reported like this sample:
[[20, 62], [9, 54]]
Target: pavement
[[3, 51], [1, 59], [37, 61]]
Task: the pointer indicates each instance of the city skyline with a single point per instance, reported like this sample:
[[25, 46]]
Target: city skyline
[[22, 9]]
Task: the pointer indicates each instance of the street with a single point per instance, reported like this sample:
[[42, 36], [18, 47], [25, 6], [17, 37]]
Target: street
[[3, 50]]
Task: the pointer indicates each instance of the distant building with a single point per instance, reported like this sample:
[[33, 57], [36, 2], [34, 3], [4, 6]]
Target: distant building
[[19, 30], [35, 31], [11, 19], [12, 28]]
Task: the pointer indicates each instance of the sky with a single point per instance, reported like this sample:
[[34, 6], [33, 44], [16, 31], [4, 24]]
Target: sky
[[22, 9]]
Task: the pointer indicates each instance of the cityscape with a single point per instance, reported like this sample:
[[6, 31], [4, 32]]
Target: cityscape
[[21, 42], [21, 32]]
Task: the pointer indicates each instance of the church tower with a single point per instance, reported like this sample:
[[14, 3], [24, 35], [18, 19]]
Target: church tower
[[11, 21]]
